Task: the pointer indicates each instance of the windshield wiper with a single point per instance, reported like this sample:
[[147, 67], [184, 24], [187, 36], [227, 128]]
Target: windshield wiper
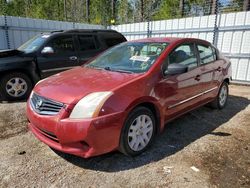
[[94, 67], [118, 70]]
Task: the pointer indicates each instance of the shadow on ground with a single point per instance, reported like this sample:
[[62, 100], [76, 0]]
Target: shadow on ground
[[177, 135]]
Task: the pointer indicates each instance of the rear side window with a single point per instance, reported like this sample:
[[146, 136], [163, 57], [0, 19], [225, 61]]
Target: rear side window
[[87, 42], [113, 39], [62, 44], [207, 54]]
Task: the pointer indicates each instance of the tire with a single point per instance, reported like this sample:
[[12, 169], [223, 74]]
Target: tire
[[221, 99], [15, 86], [135, 138]]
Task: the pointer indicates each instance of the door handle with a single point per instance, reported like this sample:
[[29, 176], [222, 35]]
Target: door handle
[[198, 78], [73, 58], [219, 69]]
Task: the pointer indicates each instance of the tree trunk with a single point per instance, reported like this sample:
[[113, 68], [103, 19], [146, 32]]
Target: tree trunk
[[142, 10], [87, 10], [246, 5], [181, 7], [213, 7], [64, 9]]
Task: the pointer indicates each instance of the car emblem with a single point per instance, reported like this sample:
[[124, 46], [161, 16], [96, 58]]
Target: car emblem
[[39, 103]]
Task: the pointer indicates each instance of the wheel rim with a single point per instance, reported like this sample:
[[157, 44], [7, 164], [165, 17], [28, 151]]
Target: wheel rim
[[140, 132], [223, 95], [16, 87]]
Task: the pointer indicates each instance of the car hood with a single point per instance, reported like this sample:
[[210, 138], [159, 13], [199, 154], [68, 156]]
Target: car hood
[[70, 86], [11, 56]]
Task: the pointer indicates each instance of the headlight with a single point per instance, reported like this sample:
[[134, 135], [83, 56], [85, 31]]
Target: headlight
[[90, 105]]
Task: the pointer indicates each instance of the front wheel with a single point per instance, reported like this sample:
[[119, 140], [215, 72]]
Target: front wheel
[[221, 99], [138, 131], [15, 86]]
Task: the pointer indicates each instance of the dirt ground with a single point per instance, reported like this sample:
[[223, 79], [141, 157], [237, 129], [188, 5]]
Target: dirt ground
[[215, 142]]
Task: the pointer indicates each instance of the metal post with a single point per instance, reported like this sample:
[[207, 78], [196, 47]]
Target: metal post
[[6, 28], [148, 29], [148, 24], [216, 30]]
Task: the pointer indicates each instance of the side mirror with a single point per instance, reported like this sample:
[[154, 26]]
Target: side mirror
[[176, 68], [47, 50]]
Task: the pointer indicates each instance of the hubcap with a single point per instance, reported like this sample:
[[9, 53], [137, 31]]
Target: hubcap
[[140, 132], [16, 87], [223, 95]]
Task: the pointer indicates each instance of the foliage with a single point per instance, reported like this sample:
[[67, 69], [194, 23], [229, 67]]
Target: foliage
[[124, 11]]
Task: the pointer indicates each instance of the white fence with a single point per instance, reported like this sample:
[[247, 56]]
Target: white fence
[[15, 30], [232, 35]]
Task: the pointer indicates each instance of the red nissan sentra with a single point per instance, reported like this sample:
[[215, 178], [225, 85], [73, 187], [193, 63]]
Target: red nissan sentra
[[125, 96]]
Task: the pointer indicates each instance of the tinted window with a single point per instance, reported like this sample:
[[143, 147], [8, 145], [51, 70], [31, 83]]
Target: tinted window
[[87, 42], [62, 45], [184, 54], [113, 41], [207, 54]]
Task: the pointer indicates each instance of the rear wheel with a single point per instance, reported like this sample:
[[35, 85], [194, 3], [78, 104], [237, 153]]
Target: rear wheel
[[221, 99], [138, 131], [15, 86]]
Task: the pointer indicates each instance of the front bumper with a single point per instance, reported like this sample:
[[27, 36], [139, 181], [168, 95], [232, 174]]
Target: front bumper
[[84, 138]]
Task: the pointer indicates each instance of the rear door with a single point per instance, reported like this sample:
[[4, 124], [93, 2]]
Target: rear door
[[208, 68], [63, 58], [87, 47]]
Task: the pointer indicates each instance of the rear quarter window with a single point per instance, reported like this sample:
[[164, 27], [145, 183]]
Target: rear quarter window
[[112, 39], [207, 54]]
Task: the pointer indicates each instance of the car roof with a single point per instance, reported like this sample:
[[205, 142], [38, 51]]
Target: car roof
[[82, 31], [171, 40]]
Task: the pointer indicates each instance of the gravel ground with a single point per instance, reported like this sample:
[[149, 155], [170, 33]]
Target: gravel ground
[[216, 143]]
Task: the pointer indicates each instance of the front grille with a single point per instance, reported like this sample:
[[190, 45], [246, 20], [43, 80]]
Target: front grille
[[44, 106]]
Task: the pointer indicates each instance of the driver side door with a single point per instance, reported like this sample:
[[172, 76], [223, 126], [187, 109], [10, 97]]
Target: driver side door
[[180, 92]]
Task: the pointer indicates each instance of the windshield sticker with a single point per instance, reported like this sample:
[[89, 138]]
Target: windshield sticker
[[139, 58], [45, 36]]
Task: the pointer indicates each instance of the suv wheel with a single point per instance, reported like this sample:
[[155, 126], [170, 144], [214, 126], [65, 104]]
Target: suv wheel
[[221, 99], [15, 86], [138, 131]]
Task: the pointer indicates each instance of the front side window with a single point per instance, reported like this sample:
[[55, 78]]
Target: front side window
[[184, 54], [207, 54], [134, 57], [62, 45], [87, 42]]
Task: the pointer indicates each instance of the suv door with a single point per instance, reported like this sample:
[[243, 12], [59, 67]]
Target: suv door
[[181, 91], [63, 57], [88, 47]]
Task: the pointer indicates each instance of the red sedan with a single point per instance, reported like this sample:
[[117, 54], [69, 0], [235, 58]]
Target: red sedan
[[125, 96]]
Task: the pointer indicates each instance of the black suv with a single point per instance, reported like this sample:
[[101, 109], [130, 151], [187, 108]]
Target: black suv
[[47, 54]]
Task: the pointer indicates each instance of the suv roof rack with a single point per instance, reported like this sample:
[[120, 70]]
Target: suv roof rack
[[88, 30]]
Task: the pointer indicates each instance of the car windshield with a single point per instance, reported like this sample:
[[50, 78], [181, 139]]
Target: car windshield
[[33, 44], [131, 57]]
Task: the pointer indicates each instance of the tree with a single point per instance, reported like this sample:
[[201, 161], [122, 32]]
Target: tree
[[168, 10]]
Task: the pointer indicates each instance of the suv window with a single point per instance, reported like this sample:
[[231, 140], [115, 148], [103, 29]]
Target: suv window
[[113, 39], [62, 45], [207, 54], [87, 42], [184, 54]]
